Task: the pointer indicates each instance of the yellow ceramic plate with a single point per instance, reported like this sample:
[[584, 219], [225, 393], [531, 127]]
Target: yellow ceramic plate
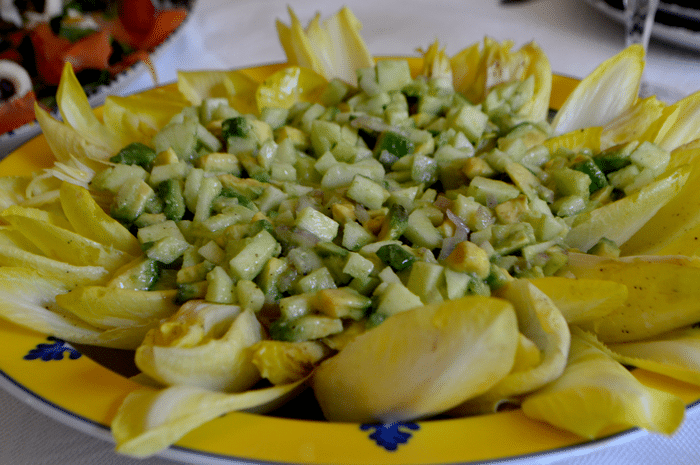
[[84, 387]]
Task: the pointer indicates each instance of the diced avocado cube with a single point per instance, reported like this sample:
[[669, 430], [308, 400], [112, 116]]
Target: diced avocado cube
[[468, 257], [598, 179], [251, 259], [421, 232], [343, 302], [396, 298], [335, 92], [572, 182], [295, 306], [367, 192], [355, 236], [615, 158], [425, 281], [235, 127], [651, 156], [605, 248], [395, 256], [394, 223], [305, 328], [219, 286], [491, 192], [469, 119], [316, 280], [393, 74], [131, 200], [135, 153], [358, 266], [394, 143], [318, 224], [170, 191]]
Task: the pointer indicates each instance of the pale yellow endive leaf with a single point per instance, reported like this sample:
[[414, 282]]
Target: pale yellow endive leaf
[[675, 227], [582, 300], [610, 90], [27, 298], [686, 127], [675, 354], [149, 421], [636, 123], [64, 141], [77, 113], [333, 48], [595, 394], [654, 304], [620, 220], [458, 349], [541, 322], [205, 345]]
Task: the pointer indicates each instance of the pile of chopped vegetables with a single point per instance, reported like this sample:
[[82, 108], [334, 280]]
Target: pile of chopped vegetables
[[407, 241]]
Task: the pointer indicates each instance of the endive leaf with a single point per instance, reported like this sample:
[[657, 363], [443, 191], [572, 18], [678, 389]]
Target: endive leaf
[[296, 44], [64, 141], [582, 300], [654, 304], [675, 354], [537, 108], [619, 220], [283, 362], [138, 117], [436, 64], [578, 139], [634, 123], [234, 85], [12, 190], [108, 307], [686, 126], [333, 48], [70, 274], [541, 322], [89, 220], [53, 217], [431, 359], [603, 95], [477, 70], [10, 237], [27, 298], [289, 86], [595, 394], [674, 229], [149, 421], [62, 244], [77, 113], [205, 345]]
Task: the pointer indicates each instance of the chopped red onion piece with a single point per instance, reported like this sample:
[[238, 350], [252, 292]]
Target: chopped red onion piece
[[361, 214], [442, 202], [462, 230]]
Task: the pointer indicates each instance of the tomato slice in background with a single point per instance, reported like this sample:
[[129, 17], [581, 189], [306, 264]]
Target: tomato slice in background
[[166, 22], [92, 51], [49, 50], [17, 112]]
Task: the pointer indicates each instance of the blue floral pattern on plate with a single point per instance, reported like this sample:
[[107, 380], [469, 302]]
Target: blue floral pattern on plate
[[54, 351], [390, 435]]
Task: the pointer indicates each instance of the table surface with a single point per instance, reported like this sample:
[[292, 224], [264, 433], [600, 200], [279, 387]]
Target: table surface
[[241, 33]]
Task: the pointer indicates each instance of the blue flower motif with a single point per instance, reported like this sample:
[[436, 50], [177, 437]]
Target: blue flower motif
[[390, 435], [48, 352]]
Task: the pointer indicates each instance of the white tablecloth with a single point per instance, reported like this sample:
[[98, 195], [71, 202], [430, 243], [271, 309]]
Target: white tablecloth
[[238, 33]]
